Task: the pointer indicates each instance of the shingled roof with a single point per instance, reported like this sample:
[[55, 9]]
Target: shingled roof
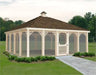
[[47, 22]]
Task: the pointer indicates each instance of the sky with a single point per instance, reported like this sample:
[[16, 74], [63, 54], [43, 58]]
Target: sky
[[59, 9]]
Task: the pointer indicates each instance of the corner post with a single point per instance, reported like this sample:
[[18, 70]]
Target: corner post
[[6, 42], [10, 43], [78, 41], [86, 42], [14, 43], [43, 43], [28, 43], [67, 43], [56, 44], [20, 42]]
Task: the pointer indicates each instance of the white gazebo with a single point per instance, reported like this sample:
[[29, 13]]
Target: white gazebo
[[47, 37]]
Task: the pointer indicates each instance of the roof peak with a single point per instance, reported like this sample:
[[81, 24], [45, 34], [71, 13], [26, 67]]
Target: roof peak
[[43, 14]]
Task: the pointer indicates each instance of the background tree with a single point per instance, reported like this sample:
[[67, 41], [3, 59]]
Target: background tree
[[79, 21], [6, 25]]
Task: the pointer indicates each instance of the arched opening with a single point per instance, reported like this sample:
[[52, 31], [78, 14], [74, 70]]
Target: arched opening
[[12, 43], [24, 44], [50, 44], [62, 38], [35, 44], [82, 43], [72, 44], [62, 42], [8, 43], [17, 44]]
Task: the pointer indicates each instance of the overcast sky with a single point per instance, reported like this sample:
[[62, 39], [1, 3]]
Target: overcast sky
[[60, 9]]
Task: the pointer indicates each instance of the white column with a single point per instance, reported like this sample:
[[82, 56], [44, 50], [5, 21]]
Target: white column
[[6, 42], [20, 42], [43, 43], [10, 42], [56, 44], [78, 42], [14, 43], [27, 42], [67, 39], [86, 42]]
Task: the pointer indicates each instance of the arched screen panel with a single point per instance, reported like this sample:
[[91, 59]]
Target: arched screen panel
[[12, 43], [72, 43], [35, 44], [50, 44], [24, 44], [8, 43], [82, 43], [17, 44]]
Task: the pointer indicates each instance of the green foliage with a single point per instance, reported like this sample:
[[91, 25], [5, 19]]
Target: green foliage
[[6, 53], [6, 25], [84, 54], [12, 57], [88, 22], [28, 59]]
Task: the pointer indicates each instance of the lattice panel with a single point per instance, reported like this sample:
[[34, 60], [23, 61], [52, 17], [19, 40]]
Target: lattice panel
[[62, 50]]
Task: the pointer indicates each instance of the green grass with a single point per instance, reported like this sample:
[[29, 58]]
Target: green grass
[[45, 68], [92, 48]]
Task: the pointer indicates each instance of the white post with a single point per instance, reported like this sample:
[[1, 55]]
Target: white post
[[78, 42], [86, 42], [27, 42], [14, 43], [43, 43], [6, 42], [20, 42], [10, 43], [67, 43], [56, 44]]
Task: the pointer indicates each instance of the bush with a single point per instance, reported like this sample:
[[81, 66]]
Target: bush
[[28, 59], [91, 54], [84, 54], [6, 53], [12, 57], [77, 54], [44, 58], [38, 57]]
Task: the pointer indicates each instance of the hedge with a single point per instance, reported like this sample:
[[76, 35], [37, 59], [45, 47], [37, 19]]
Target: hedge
[[28, 59], [86, 54]]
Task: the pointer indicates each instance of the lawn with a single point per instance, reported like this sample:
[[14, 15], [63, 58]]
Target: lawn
[[92, 48], [45, 68]]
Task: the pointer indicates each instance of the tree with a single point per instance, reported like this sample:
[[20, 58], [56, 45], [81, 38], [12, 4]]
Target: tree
[[79, 21]]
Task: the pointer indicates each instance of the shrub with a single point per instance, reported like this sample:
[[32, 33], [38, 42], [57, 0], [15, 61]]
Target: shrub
[[42, 58], [77, 54], [84, 54], [38, 57], [91, 54], [6, 53], [12, 57], [28, 59], [35, 59]]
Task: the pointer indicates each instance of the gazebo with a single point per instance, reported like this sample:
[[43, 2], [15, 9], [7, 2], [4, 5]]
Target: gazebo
[[45, 36]]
